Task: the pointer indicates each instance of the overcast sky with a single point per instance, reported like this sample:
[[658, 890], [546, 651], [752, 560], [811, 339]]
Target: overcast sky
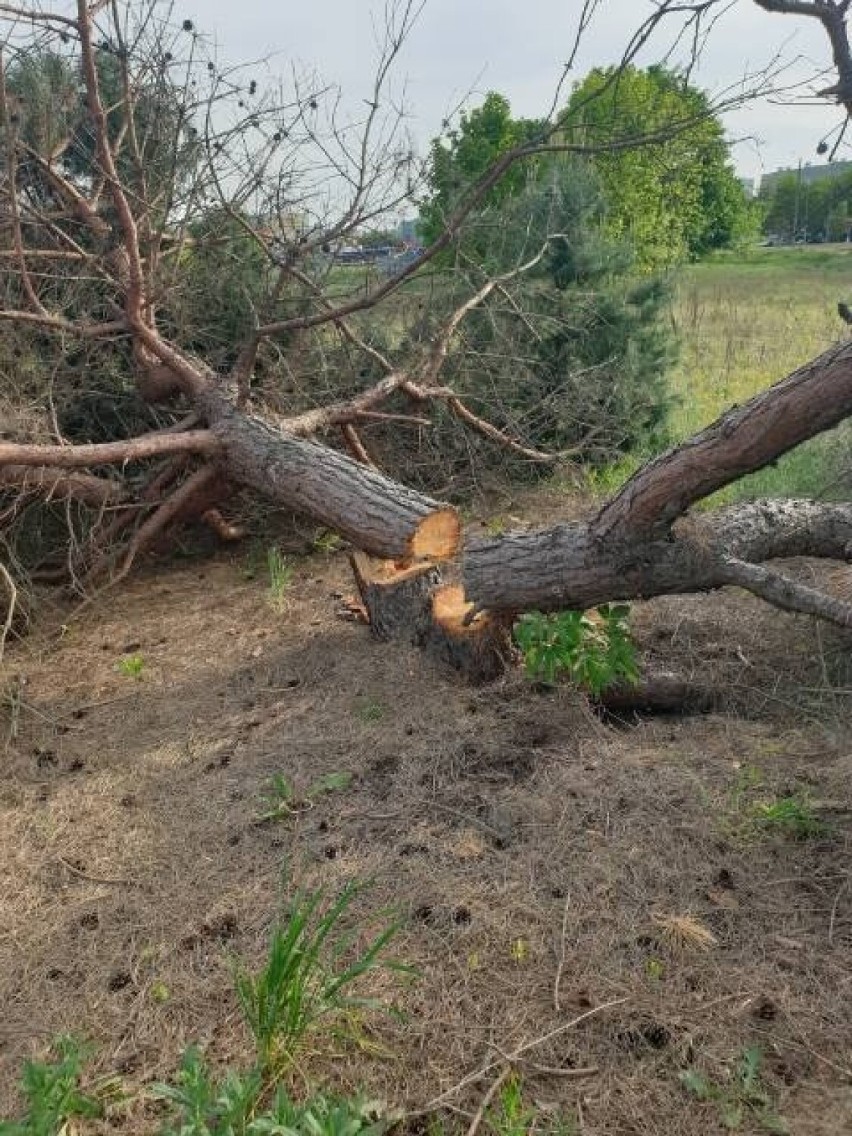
[[517, 47]]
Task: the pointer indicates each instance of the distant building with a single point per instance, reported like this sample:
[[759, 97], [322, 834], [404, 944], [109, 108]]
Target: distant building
[[407, 230], [808, 174], [748, 186]]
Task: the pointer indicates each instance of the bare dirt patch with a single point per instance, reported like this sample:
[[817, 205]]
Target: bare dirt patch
[[535, 855]]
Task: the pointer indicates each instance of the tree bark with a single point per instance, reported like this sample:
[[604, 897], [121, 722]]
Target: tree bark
[[398, 603], [573, 567], [380, 516], [811, 400]]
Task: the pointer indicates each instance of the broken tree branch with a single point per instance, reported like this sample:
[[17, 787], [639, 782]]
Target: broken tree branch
[[109, 453], [814, 398]]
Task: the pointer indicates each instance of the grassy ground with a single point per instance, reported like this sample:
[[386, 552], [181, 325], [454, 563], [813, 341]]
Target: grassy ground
[[660, 910], [654, 916], [744, 321], [747, 321]]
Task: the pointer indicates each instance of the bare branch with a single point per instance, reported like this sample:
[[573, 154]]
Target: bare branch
[[46, 482], [782, 592], [109, 453]]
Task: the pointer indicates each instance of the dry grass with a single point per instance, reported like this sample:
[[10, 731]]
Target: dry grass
[[518, 839]]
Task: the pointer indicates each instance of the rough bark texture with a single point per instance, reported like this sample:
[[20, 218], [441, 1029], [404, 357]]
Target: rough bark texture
[[572, 567], [398, 603], [811, 400], [379, 516], [478, 646]]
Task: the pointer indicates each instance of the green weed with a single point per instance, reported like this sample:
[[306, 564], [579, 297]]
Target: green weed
[[512, 1116], [204, 1106], [743, 1098], [53, 1094], [594, 649], [312, 965], [131, 666], [371, 711], [280, 576], [282, 800], [793, 816], [753, 811]]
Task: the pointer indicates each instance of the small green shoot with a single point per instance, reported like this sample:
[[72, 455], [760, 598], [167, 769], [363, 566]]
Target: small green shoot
[[312, 965], [131, 666], [280, 576], [281, 799], [512, 1116], [755, 811], [744, 1098], [327, 541], [371, 711], [496, 526], [594, 650], [53, 1095], [793, 816], [655, 969]]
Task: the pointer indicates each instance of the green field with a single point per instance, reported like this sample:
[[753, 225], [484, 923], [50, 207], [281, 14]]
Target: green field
[[744, 321]]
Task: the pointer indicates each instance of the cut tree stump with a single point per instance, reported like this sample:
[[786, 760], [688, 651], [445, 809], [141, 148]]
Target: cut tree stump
[[398, 598], [477, 645], [412, 603]]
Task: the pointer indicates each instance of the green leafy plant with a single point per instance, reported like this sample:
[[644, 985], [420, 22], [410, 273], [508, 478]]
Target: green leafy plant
[[280, 576], [204, 1106], [53, 1093], [594, 649], [311, 968], [282, 800], [131, 666], [743, 1098]]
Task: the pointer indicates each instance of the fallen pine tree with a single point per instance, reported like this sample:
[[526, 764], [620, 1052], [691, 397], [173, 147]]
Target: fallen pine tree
[[416, 578]]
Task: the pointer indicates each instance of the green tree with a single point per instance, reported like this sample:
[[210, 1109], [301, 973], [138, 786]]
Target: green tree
[[572, 354], [797, 208], [676, 199], [464, 154]]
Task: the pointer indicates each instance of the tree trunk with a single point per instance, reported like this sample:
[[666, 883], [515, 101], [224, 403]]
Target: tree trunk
[[416, 606], [572, 567], [380, 516], [398, 601], [478, 645]]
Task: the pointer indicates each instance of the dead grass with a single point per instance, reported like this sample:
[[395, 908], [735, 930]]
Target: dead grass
[[543, 864]]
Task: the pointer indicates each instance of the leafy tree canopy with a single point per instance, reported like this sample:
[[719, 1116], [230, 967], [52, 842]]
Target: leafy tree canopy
[[799, 209], [464, 154], [677, 199]]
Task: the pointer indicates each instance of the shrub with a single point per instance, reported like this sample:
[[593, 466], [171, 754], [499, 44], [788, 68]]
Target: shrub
[[594, 650]]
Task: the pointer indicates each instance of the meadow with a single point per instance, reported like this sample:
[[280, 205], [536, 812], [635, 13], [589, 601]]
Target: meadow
[[746, 320]]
